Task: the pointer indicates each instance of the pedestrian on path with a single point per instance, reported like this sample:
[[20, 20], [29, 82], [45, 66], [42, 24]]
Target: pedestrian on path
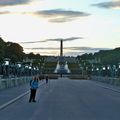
[[46, 78], [33, 88]]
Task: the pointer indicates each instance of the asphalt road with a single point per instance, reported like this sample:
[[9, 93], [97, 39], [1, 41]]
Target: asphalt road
[[67, 100]]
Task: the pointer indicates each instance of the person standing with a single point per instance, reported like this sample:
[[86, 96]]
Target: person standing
[[33, 89], [46, 78]]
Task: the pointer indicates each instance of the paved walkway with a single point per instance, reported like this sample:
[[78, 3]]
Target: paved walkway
[[10, 95], [66, 99]]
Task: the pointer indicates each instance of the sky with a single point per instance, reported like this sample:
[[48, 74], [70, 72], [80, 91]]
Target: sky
[[85, 26]]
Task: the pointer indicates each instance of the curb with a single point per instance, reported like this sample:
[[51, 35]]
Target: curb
[[15, 99], [105, 87]]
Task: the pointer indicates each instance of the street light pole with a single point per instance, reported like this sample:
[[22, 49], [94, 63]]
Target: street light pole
[[6, 67], [19, 69]]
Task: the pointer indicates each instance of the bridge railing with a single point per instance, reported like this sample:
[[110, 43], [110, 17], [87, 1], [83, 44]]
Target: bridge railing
[[109, 80], [12, 82]]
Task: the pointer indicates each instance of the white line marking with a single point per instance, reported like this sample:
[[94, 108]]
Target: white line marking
[[15, 99]]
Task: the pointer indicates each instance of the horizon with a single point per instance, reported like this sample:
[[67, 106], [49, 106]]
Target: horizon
[[87, 49], [38, 25]]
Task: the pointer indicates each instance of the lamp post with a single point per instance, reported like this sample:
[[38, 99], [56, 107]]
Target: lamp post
[[30, 70], [26, 70], [103, 71], [6, 67], [114, 70], [19, 69], [0, 69], [119, 70], [38, 70], [98, 72]]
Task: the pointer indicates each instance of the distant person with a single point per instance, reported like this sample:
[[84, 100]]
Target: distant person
[[46, 78], [40, 78], [33, 89]]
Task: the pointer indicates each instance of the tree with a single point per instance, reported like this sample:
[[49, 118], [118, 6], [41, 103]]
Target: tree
[[33, 56], [30, 55], [14, 51], [2, 47], [105, 57], [109, 57]]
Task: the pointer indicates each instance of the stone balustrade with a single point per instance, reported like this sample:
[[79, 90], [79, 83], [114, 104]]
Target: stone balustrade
[[109, 80], [12, 82]]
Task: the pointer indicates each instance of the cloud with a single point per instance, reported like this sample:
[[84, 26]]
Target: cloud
[[60, 15], [4, 12], [73, 53], [64, 39], [31, 42], [41, 48], [56, 39], [70, 48], [68, 51], [13, 2], [112, 4], [85, 49], [82, 50]]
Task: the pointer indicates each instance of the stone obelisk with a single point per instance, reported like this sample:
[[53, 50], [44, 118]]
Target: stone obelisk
[[61, 48], [62, 67]]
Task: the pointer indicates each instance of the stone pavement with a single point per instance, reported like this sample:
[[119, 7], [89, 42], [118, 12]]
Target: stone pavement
[[10, 95], [65, 99]]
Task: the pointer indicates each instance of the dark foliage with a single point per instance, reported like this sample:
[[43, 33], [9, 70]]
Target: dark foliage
[[106, 57]]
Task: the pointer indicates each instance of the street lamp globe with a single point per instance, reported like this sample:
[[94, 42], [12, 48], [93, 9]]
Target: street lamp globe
[[6, 67], [6, 61]]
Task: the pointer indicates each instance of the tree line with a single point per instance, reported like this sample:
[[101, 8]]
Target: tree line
[[14, 52], [105, 57]]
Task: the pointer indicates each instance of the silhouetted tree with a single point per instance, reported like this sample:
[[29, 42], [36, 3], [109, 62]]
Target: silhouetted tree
[[30, 55], [106, 57], [14, 51], [2, 47]]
